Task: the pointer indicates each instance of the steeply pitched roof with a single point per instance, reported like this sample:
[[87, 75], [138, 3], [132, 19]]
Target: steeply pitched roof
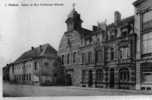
[[42, 50]]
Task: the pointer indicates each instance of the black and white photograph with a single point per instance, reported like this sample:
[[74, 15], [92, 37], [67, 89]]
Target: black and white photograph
[[76, 48]]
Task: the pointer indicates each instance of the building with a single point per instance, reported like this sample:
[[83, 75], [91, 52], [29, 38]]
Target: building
[[6, 73], [36, 66], [103, 57], [110, 60], [69, 47], [143, 28]]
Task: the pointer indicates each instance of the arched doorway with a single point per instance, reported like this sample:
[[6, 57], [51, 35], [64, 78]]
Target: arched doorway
[[112, 78], [90, 80]]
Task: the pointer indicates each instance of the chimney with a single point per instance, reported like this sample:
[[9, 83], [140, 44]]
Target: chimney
[[40, 47], [117, 17], [32, 48]]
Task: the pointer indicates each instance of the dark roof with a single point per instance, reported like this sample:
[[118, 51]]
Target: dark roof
[[72, 13], [138, 2], [128, 19], [122, 22], [85, 33], [42, 50]]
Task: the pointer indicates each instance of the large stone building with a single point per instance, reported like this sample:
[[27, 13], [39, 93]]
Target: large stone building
[[143, 28], [110, 60], [103, 57], [36, 66]]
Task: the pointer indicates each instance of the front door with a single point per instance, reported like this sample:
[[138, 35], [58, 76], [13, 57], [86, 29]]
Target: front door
[[90, 81], [112, 78], [69, 80]]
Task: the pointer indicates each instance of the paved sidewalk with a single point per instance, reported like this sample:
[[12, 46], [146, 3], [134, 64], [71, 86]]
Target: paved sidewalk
[[28, 91]]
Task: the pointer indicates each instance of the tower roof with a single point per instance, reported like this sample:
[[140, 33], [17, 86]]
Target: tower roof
[[72, 13]]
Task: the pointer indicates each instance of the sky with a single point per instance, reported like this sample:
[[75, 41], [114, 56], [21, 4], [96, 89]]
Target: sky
[[24, 27]]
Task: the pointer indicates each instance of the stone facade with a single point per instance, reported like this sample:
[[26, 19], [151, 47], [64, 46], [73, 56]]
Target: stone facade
[[143, 28], [103, 57], [113, 56]]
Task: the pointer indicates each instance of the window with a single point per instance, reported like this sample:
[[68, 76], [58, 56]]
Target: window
[[147, 43], [26, 76], [99, 75], [124, 53], [74, 57], [99, 56], [112, 53], [124, 34], [89, 57], [29, 76], [147, 16], [124, 74], [83, 75], [83, 58], [146, 72], [35, 65], [147, 20], [108, 54], [68, 58], [62, 59]]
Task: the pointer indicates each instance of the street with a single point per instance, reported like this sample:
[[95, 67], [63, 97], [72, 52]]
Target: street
[[10, 90]]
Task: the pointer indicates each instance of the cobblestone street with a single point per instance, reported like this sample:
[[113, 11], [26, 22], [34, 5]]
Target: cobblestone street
[[28, 91]]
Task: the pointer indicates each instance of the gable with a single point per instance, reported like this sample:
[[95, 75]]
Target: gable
[[50, 51]]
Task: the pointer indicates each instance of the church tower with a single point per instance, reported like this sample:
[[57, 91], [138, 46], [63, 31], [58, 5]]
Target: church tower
[[73, 21]]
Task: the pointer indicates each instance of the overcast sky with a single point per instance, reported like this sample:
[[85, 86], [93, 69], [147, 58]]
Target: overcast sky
[[23, 27]]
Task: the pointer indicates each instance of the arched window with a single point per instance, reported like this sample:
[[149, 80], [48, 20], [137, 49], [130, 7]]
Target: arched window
[[99, 75], [124, 74]]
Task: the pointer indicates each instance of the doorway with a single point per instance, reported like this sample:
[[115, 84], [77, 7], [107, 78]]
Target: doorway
[[112, 78], [69, 80], [90, 81]]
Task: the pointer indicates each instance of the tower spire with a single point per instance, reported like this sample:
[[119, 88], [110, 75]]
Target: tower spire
[[74, 4]]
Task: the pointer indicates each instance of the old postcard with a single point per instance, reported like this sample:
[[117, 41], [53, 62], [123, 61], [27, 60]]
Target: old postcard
[[56, 48]]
